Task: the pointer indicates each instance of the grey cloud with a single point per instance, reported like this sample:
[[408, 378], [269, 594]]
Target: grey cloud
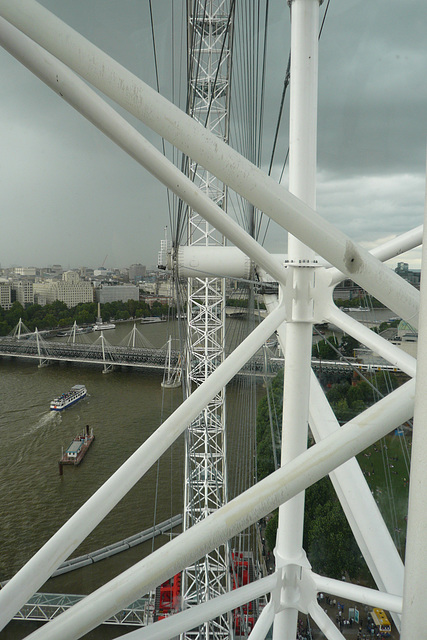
[[56, 171]]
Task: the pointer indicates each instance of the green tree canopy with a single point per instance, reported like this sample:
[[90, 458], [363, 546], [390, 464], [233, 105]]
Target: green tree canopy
[[324, 350], [328, 539]]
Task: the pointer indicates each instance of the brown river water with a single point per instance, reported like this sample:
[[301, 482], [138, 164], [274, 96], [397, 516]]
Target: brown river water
[[123, 408]]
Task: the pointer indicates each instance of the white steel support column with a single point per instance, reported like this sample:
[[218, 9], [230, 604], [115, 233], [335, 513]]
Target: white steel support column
[[205, 490], [302, 183], [413, 614]]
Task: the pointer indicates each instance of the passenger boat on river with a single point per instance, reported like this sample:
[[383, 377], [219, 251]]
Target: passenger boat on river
[[75, 394]]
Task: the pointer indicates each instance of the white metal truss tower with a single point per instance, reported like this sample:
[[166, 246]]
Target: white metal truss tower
[[209, 43]]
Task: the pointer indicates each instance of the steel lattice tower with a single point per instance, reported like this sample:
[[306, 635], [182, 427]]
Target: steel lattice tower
[[209, 51]]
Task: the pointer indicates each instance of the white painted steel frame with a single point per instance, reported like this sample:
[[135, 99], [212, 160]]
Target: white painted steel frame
[[231, 262], [390, 249], [289, 553], [205, 489], [416, 554], [397, 407], [356, 498]]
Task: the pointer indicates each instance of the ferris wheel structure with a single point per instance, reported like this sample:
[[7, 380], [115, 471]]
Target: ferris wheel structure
[[319, 256]]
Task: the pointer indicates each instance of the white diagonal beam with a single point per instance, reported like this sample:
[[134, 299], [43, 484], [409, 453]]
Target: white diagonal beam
[[264, 622], [362, 513], [324, 622], [385, 349], [357, 593], [365, 520], [390, 249], [204, 147], [190, 618]]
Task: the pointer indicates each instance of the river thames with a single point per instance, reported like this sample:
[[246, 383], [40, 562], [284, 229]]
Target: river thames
[[123, 408]]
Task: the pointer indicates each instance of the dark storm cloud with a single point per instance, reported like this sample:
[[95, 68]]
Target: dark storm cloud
[[58, 173], [373, 89]]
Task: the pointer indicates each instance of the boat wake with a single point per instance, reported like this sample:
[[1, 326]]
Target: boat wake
[[49, 418]]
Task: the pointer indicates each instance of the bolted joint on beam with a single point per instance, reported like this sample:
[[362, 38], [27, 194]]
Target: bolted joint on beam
[[296, 587], [291, 1], [299, 292]]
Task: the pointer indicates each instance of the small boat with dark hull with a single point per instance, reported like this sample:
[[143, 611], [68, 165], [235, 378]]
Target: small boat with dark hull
[[77, 449]]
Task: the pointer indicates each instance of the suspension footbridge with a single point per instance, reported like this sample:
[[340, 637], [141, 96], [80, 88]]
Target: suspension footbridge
[[32, 346]]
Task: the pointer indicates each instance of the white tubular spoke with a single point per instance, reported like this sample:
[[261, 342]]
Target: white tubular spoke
[[386, 350], [368, 527], [357, 593], [388, 250], [264, 622], [324, 622]]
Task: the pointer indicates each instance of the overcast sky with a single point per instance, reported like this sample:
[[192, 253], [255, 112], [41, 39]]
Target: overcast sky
[[69, 196]]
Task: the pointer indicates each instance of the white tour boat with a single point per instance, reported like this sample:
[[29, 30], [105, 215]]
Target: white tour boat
[[75, 394], [102, 326]]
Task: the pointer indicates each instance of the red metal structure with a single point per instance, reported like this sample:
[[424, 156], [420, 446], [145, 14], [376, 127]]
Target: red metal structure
[[168, 597], [242, 574]]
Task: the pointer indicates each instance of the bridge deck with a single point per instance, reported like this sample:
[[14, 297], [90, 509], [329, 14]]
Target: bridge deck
[[106, 356], [42, 607]]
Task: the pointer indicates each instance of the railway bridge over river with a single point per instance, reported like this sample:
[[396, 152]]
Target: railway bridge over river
[[34, 346]]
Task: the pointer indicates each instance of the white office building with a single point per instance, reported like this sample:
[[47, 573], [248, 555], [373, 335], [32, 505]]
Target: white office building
[[24, 292], [71, 290], [27, 272]]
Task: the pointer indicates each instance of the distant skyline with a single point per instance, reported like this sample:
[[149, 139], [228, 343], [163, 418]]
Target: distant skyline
[[69, 196], [70, 266]]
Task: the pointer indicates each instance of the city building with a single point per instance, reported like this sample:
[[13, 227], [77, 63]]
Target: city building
[[53, 270], [27, 272], [102, 272], [159, 288], [5, 294], [71, 290], [347, 290], [137, 272], [123, 275], [24, 292], [116, 293], [411, 275]]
